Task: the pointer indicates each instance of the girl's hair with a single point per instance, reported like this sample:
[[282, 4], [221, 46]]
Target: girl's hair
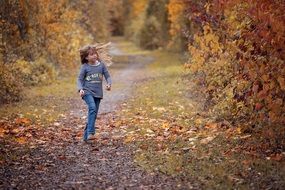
[[102, 51], [84, 51]]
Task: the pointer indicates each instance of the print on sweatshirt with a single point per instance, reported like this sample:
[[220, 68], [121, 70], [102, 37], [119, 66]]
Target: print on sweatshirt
[[96, 77]]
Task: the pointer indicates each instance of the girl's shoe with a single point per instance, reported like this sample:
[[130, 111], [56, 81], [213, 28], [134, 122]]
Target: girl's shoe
[[91, 137]]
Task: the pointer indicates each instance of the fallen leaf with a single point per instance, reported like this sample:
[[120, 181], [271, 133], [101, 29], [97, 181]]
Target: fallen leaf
[[245, 136], [22, 121], [165, 126], [192, 139], [15, 131], [149, 131], [211, 125], [21, 140], [239, 130], [2, 132], [198, 121], [160, 109], [129, 139], [62, 157], [277, 157], [207, 140], [56, 124]]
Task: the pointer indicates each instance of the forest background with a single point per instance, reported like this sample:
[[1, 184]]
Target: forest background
[[233, 50]]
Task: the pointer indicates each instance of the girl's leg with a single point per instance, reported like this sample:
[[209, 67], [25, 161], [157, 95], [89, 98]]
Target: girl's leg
[[97, 103], [92, 113]]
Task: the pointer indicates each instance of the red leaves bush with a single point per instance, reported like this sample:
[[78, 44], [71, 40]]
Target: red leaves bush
[[247, 37]]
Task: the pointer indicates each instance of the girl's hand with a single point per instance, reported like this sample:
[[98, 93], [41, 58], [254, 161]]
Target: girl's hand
[[81, 92], [108, 87]]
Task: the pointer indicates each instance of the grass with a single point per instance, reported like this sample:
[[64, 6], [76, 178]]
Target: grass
[[42, 104], [168, 129]]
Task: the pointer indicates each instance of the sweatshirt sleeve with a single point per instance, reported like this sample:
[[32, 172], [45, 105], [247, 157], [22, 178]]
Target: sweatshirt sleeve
[[106, 74], [80, 79]]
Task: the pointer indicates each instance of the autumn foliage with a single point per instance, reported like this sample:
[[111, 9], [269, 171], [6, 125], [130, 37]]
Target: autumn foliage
[[237, 53], [178, 23], [235, 48], [41, 38]]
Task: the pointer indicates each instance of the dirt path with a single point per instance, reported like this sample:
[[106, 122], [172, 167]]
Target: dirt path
[[63, 161], [127, 74]]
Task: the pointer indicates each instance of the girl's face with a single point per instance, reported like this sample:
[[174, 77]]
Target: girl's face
[[92, 56]]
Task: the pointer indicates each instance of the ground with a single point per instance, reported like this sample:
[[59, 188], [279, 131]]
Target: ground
[[153, 133]]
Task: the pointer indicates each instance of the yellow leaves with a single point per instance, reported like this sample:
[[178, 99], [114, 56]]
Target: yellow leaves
[[207, 29], [23, 66], [207, 44], [235, 19], [243, 85], [198, 121], [211, 40], [207, 7], [138, 6], [129, 139], [21, 140], [176, 18], [165, 126], [239, 130]]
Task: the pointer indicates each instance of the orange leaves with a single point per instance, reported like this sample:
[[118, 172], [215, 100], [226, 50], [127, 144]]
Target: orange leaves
[[175, 11], [177, 21], [3, 131], [19, 130], [138, 6], [21, 140], [23, 121], [159, 130], [165, 126], [277, 157], [281, 81]]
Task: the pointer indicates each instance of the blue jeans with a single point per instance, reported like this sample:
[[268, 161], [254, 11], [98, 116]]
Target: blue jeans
[[93, 107]]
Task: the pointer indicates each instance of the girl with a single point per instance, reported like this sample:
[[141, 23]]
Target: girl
[[89, 83]]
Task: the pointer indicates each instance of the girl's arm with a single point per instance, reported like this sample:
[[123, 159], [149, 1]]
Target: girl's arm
[[80, 79], [107, 75]]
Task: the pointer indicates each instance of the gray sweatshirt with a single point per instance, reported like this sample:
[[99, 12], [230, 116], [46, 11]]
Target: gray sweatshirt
[[90, 78]]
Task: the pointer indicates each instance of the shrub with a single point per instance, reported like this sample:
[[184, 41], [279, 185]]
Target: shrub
[[238, 49], [42, 72], [150, 34], [34, 73], [11, 85]]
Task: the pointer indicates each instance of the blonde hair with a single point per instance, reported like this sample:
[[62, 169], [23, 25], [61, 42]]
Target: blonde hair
[[102, 50]]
